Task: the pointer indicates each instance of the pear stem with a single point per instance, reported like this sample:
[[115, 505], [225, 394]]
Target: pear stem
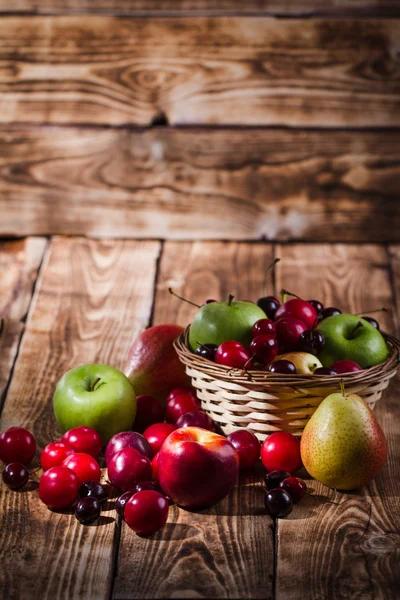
[[230, 299], [368, 312], [359, 324], [171, 291], [342, 388], [285, 293], [271, 266]]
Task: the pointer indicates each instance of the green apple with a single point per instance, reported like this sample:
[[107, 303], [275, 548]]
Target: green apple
[[348, 337], [304, 362], [219, 322], [97, 396]]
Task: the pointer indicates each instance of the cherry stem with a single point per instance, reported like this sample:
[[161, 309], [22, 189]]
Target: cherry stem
[[368, 312], [285, 293], [171, 291], [271, 266], [323, 499], [51, 437], [96, 381], [230, 299], [359, 324]]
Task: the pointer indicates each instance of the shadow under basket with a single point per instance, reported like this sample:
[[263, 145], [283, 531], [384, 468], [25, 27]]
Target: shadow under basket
[[266, 402]]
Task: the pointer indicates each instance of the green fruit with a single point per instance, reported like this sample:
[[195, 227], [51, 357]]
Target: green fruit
[[219, 322], [97, 396], [342, 444], [345, 339]]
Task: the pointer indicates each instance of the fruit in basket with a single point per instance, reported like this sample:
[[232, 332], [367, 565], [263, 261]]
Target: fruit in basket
[[319, 307], [296, 308], [207, 351], [146, 512], [311, 341], [264, 327], [179, 402], [234, 354], [247, 446], [264, 348], [127, 439], [348, 337], [325, 371], [153, 366], [343, 445], [330, 311], [285, 367], [372, 322], [305, 363], [197, 468], [219, 322], [281, 452], [346, 366], [97, 396], [269, 304], [17, 445], [288, 332]]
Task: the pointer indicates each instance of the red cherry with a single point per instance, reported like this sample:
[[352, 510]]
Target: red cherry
[[263, 326], [127, 467], [54, 454], [146, 512], [157, 434], [84, 465], [345, 366], [154, 467], [58, 488], [233, 354], [264, 348], [182, 391], [247, 446], [84, 439], [179, 404], [281, 452], [149, 410], [196, 419], [17, 445], [298, 309], [295, 487], [288, 332]]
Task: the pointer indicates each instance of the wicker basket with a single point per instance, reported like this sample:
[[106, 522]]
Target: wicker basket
[[266, 402]]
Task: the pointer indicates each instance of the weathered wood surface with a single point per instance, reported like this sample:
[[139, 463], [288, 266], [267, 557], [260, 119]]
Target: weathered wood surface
[[90, 301], [191, 183], [255, 71], [226, 551], [271, 7], [350, 550], [19, 265]]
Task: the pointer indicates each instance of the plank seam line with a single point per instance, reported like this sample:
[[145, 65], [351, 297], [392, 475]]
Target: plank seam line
[[156, 278], [24, 320], [392, 280], [366, 14]]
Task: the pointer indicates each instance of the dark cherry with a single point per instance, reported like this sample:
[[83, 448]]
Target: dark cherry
[[146, 485], [288, 332], [207, 351], [319, 307], [87, 510], [92, 489], [15, 475], [311, 341], [264, 348], [265, 327], [278, 503], [324, 371], [122, 500], [282, 366], [269, 304], [295, 487], [331, 311], [273, 479], [372, 321]]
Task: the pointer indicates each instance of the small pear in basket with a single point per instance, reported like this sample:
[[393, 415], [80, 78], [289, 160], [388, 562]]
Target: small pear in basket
[[343, 445]]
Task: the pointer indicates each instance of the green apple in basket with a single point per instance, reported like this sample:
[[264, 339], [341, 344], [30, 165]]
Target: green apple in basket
[[349, 337]]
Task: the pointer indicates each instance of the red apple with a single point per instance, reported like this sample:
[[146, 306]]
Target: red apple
[[153, 366], [197, 468], [180, 402], [156, 435]]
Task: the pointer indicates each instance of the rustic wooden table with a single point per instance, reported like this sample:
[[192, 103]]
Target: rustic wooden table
[[66, 301]]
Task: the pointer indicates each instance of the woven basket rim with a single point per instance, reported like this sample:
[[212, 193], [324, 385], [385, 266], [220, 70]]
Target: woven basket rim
[[257, 378]]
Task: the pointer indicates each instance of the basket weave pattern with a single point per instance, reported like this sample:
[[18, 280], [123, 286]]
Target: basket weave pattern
[[266, 402]]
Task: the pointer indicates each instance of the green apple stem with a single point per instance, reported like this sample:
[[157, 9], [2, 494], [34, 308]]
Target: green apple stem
[[359, 324], [230, 299], [271, 266], [171, 291], [95, 386], [368, 312]]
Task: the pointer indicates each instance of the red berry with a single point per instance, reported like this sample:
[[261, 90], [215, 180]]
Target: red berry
[[264, 348], [298, 309], [146, 512], [295, 487], [265, 327], [288, 332], [149, 410], [179, 404], [83, 439], [17, 445], [345, 366], [127, 439], [157, 434], [15, 475], [196, 419], [58, 488], [281, 452], [54, 454], [127, 467], [84, 465], [233, 354], [247, 446]]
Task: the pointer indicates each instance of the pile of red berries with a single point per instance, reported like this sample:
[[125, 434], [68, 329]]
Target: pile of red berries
[[17, 450]]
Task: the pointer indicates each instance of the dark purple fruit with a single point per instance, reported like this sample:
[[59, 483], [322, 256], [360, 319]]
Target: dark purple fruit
[[372, 321], [278, 503], [93, 489], [331, 311], [311, 341], [15, 475], [273, 479], [207, 351], [319, 307], [324, 371], [282, 366], [269, 304], [120, 503], [88, 510]]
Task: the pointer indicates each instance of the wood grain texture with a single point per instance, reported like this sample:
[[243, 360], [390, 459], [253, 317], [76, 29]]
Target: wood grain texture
[[226, 551], [254, 71], [91, 300], [19, 265], [350, 550], [191, 183], [271, 7]]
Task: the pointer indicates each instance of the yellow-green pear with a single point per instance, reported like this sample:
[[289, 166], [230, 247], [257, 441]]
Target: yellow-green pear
[[343, 445]]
